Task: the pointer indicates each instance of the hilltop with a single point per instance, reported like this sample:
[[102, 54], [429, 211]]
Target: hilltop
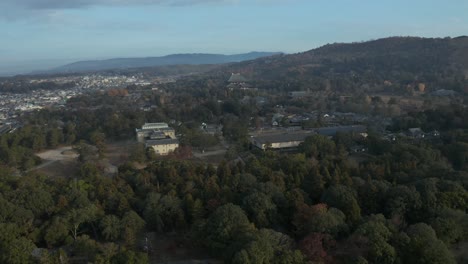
[[397, 61]]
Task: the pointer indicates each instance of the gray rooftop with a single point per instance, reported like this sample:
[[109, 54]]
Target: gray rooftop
[[162, 142], [237, 78], [279, 138], [331, 131]]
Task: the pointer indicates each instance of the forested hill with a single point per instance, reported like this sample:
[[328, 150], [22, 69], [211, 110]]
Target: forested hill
[[174, 59], [439, 63]]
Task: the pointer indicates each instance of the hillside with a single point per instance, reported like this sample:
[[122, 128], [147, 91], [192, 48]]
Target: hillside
[[175, 59], [397, 61]]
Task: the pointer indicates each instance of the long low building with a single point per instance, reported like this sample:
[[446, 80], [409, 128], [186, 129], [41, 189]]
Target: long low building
[[280, 141], [151, 130], [294, 139], [332, 131]]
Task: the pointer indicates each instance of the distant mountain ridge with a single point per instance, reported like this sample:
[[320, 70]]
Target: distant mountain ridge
[[440, 63], [174, 59]]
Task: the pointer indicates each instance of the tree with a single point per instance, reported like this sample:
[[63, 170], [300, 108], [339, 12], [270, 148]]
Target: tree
[[314, 184], [450, 225], [77, 217], [130, 257], [57, 232], [34, 198], [314, 247], [260, 208], [99, 140], [54, 137], [377, 236], [17, 251], [401, 201], [111, 227], [318, 146], [132, 224], [343, 198], [425, 248], [268, 246], [225, 228], [319, 219]]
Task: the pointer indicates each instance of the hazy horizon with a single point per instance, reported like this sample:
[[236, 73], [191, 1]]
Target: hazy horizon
[[42, 34]]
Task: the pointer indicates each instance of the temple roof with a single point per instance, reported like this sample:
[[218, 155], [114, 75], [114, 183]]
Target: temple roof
[[237, 78]]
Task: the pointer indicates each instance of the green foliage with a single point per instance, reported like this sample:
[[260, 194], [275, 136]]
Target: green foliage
[[343, 198], [319, 219], [318, 146], [17, 251], [130, 257], [425, 247], [56, 232], [261, 209], [268, 246], [450, 225], [377, 236], [225, 228], [111, 227], [164, 212]]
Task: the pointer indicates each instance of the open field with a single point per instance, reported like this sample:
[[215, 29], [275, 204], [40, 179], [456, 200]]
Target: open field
[[58, 162], [63, 161]]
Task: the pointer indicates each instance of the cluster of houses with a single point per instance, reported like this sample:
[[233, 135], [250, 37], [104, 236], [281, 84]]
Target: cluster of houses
[[158, 136], [415, 133]]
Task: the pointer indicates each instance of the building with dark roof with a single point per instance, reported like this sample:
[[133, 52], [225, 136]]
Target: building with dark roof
[[159, 136], [154, 130], [237, 78], [294, 139], [332, 131], [280, 141]]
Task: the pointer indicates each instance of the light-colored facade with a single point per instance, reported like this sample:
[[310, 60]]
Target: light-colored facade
[[163, 146], [151, 126], [158, 136]]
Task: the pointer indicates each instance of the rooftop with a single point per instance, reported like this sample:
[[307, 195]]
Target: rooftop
[[154, 126], [331, 131], [286, 137], [162, 142], [237, 78]]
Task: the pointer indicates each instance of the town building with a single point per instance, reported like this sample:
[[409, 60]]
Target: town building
[[280, 141], [238, 82], [154, 131], [292, 139], [163, 146], [332, 131], [158, 136]]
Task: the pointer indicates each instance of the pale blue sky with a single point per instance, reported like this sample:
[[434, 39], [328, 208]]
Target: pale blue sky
[[44, 33]]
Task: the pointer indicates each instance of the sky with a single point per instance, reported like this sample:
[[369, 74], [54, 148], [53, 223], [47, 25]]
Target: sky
[[40, 34]]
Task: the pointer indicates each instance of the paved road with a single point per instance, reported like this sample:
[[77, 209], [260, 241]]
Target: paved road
[[43, 165], [209, 153]]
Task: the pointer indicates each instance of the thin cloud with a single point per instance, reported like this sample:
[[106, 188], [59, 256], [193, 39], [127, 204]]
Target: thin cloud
[[31, 10], [61, 4]]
